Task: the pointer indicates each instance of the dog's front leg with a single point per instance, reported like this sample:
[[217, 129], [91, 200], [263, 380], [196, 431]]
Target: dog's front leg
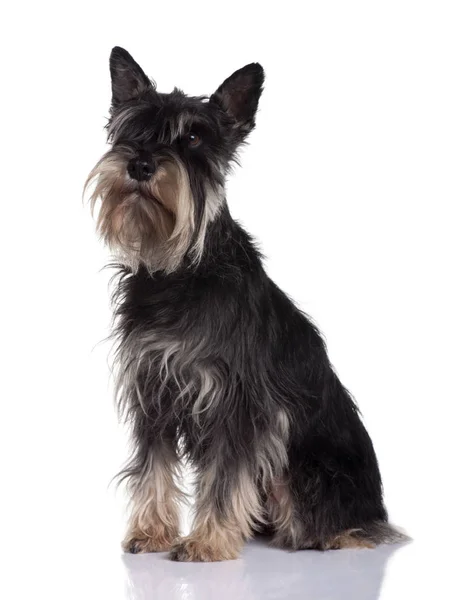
[[227, 504], [155, 496]]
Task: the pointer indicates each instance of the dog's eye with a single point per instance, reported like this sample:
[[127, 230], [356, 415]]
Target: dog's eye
[[193, 139]]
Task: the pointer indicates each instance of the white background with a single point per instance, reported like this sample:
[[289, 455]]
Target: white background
[[352, 186]]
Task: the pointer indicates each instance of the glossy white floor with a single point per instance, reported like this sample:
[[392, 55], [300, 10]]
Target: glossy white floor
[[404, 571], [76, 554], [267, 573], [98, 571]]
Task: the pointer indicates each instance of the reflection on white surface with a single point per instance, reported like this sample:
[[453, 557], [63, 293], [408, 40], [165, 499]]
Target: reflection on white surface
[[261, 572]]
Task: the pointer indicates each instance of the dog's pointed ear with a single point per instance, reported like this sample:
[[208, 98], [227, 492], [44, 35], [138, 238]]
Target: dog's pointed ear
[[127, 77], [238, 95]]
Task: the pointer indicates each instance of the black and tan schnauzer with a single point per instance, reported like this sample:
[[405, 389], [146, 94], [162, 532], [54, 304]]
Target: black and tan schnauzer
[[215, 364]]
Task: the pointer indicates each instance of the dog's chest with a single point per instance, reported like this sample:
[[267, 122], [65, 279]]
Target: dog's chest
[[157, 365]]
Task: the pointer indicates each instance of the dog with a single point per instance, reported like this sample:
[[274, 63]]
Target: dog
[[215, 364]]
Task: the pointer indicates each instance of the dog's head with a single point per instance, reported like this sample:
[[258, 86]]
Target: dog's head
[[162, 181]]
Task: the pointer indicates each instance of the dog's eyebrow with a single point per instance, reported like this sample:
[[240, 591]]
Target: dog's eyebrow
[[182, 123], [167, 125], [123, 118]]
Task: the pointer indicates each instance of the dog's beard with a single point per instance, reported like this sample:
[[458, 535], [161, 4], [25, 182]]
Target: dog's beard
[[144, 223]]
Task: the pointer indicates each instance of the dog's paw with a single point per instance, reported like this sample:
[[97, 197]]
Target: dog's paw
[[138, 544], [351, 539], [191, 550]]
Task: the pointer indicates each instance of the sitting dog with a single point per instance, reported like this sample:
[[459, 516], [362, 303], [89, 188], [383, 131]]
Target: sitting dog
[[216, 365]]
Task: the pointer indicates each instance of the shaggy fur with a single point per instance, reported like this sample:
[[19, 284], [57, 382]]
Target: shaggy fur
[[215, 363]]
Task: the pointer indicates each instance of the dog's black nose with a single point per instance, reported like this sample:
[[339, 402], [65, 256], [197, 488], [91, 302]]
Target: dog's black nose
[[141, 168]]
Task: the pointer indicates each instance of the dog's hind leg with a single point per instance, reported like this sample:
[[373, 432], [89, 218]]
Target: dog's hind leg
[[314, 514], [332, 495]]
